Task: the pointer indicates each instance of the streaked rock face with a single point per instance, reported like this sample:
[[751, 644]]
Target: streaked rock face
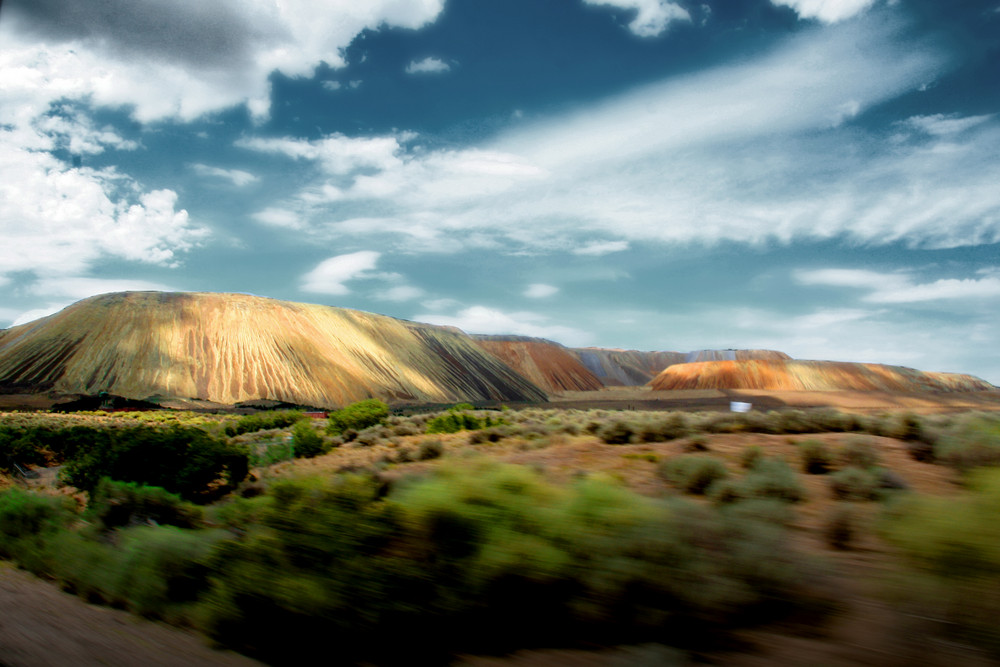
[[630, 368], [810, 376], [735, 355], [546, 364], [231, 347]]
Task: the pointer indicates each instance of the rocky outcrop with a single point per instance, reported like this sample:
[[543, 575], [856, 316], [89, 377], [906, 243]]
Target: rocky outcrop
[[546, 364]]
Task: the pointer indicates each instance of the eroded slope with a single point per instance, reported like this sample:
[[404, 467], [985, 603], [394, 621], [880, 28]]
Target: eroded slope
[[545, 363]]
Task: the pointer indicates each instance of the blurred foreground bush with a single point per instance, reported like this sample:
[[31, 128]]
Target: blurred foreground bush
[[357, 416], [953, 548]]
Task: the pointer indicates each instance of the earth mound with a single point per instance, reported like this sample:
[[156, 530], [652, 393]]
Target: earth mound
[[796, 375], [229, 348], [543, 362], [628, 368]]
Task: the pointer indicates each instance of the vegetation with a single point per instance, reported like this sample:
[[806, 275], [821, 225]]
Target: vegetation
[[357, 416]]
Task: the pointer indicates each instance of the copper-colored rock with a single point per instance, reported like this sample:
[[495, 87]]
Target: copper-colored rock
[[545, 363], [810, 376], [233, 347]]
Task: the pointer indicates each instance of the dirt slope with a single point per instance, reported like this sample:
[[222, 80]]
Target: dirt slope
[[544, 363], [630, 368], [810, 376], [735, 355], [233, 347]]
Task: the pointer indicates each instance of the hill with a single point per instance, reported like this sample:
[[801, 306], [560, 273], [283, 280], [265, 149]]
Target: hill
[[545, 363], [629, 368], [228, 348], [796, 375]]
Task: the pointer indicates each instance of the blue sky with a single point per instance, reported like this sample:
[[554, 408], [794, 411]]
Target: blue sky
[[820, 177]]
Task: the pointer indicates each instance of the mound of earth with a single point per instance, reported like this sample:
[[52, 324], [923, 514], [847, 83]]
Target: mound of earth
[[735, 355], [545, 363], [795, 375], [629, 368], [229, 348]]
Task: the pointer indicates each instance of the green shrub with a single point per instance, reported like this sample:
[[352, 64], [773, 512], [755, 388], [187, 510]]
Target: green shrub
[[769, 479], [840, 527], [854, 484], [692, 473], [118, 504], [182, 460], [456, 420], [307, 443], [264, 420], [816, 457], [971, 444], [430, 449], [952, 549], [25, 517], [357, 416], [751, 456], [616, 432], [858, 452]]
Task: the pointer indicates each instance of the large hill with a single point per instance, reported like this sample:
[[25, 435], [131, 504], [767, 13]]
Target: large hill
[[630, 368], [232, 347], [795, 375]]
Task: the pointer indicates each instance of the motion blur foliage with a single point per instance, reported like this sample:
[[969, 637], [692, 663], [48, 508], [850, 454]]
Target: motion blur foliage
[[357, 416], [481, 557], [306, 441], [183, 460], [264, 420], [952, 546], [26, 520], [972, 443], [693, 473], [119, 504], [768, 479]]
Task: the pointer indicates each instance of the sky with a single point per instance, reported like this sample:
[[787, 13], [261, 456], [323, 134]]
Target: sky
[[820, 177]]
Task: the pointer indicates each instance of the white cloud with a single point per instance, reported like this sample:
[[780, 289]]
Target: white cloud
[[331, 85], [37, 313], [652, 17], [400, 293], [540, 291], [598, 248], [278, 217], [429, 65], [943, 125], [484, 320], [827, 11], [237, 177], [55, 219], [183, 59], [747, 153], [330, 275], [901, 288], [80, 287]]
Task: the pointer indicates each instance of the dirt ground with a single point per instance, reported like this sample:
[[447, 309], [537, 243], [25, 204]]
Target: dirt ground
[[41, 626]]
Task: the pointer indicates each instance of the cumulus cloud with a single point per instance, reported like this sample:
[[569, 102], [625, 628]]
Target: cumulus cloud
[[400, 293], [485, 320], [429, 65], [540, 291], [827, 11], [62, 290], [652, 17], [902, 288], [278, 217], [237, 177], [186, 58]]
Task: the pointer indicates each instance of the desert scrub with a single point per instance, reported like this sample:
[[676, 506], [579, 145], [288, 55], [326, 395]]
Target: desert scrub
[[952, 550], [357, 416], [854, 484], [692, 473], [616, 432], [263, 420], [306, 441], [858, 452], [840, 527], [769, 479], [751, 456], [816, 457], [972, 443], [431, 448]]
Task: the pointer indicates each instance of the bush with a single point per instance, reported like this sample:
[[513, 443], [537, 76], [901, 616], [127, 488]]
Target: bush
[[771, 479], [854, 484], [24, 517], [859, 452], [430, 449], [840, 527], [182, 460], [692, 473], [357, 416], [264, 420], [307, 443], [458, 419], [952, 548], [615, 433], [973, 443], [119, 504], [816, 457], [751, 456]]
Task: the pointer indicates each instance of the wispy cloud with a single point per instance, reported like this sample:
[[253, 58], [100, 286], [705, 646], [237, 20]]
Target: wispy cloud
[[329, 276], [429, 65], [827, 11], [902, 288], [540, 291], [237, 177], [485, 320]]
